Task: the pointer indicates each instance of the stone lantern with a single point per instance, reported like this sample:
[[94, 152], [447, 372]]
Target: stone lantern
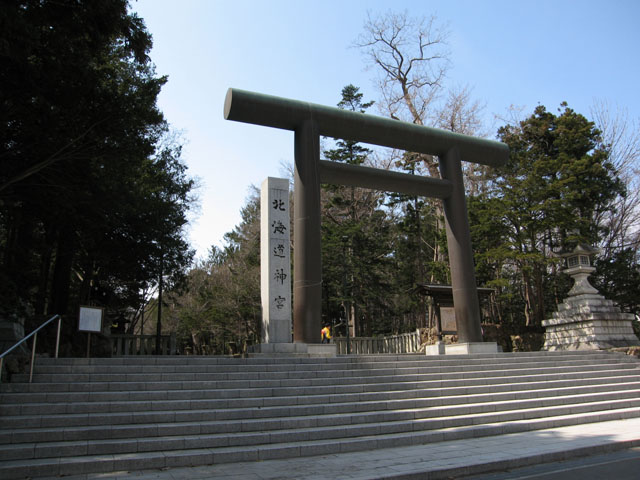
[[579, 268], [586, 320]]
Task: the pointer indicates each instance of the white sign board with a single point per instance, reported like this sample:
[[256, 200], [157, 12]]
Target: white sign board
[[90, 319]]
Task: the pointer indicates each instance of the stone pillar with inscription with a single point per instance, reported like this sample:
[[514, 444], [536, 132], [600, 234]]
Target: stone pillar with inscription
[[275, 276], [275, 261]]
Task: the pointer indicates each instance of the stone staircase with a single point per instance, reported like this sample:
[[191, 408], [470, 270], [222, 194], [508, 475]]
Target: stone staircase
[[133, 413]]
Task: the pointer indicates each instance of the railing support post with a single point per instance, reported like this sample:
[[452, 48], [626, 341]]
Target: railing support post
[[58, 336], [33, 356], [33, 334]]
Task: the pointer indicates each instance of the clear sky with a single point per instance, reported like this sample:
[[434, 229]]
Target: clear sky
[[510, 52]]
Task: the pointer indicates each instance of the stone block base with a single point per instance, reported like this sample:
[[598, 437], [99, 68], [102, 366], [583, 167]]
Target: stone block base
[[439, 348], [322, 349], [579, 333], [462, 348], [588, 322], [590, 345], [298, 349]]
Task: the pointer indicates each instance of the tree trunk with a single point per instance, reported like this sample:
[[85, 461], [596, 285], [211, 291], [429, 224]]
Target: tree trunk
[[85, 288], [65, 251], [45, 271], [539, 300], [159, 322], [528, 294]]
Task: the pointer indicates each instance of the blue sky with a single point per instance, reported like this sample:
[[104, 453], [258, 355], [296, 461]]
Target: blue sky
[[521, 53]]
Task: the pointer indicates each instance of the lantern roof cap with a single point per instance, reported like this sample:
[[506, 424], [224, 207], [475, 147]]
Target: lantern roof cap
[[580, 249]]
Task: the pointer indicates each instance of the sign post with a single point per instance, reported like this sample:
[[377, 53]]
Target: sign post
[[90, 320]]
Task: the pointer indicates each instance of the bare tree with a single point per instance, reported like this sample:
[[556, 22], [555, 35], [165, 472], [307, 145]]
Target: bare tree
[[460, 113], [622, 136], [412, 56]]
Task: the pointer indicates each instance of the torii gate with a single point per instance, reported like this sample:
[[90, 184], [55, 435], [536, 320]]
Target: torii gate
[[310, 121]]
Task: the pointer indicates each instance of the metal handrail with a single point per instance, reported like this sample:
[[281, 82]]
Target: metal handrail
[[33, 334]]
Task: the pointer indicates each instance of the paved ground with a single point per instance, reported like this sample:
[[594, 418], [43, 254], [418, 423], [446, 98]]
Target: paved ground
[[619, 465], [446, 460]]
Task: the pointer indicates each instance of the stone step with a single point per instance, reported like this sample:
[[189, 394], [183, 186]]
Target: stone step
[[315, 386], [113, 401], [76, 465], [103, 414], [20, 403], [298, 379], [274, 363], [139, 415], [322, 427], [340, 359], [171, 373], [336, 363], [297, 417]]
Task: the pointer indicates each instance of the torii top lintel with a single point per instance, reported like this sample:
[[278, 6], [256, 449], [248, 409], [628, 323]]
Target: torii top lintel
[[277, 112]]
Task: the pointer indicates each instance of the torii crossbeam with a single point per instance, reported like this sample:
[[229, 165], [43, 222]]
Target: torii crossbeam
[[310, 121]]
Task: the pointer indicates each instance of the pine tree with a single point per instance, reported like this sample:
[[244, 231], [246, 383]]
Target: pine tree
[[549, 197], [91, 203], [355, 239]]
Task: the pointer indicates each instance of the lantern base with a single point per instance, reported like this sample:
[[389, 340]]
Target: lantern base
[[589, 322]]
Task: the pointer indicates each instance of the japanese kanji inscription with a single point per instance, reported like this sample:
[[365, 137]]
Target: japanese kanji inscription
[[275, 261]]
